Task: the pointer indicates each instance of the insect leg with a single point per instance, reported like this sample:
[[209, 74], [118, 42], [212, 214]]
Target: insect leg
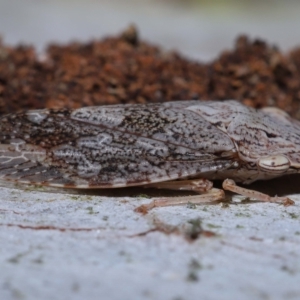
[[230, 185], [198, 185], [202, 185]]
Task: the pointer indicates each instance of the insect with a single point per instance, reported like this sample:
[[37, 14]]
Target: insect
[[174, 145]]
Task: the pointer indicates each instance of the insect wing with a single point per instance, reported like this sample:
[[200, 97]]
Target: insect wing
[[109, 146]]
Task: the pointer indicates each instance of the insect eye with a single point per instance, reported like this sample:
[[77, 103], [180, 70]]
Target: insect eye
[[274, 163]]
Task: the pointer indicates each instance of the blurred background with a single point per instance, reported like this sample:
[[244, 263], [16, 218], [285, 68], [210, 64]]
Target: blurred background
[[199, 29]]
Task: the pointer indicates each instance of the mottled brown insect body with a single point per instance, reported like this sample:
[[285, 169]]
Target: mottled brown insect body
[[128, 145]]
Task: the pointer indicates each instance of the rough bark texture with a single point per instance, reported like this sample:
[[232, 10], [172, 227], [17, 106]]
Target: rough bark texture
[[124, 69]]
